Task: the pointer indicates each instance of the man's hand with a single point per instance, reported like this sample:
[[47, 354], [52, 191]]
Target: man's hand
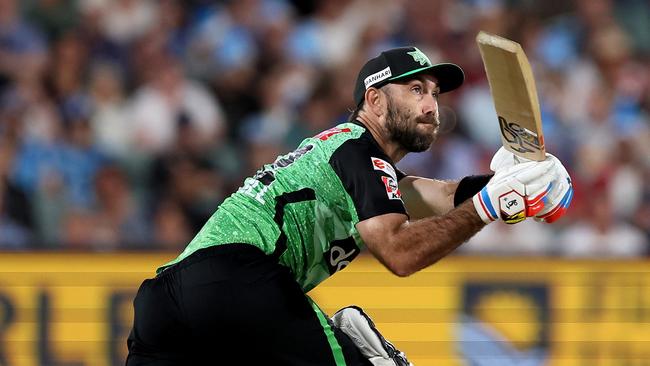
[[515, 192], [558, 199]]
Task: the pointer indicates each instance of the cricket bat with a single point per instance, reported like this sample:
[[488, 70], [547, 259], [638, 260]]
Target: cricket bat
[[515, 97]]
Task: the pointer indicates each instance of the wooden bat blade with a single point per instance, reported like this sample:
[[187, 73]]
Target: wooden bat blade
[[515, 97]]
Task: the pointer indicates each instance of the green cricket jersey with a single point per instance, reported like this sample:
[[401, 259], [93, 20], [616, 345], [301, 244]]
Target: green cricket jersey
[[303, 207]]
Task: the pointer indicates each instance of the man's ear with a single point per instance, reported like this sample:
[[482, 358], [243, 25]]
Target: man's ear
[[375, 101]]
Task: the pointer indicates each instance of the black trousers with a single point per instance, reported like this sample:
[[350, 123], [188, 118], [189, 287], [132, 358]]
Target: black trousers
[[232, 305]]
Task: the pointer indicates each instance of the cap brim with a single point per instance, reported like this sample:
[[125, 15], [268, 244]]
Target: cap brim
[[450, 76]]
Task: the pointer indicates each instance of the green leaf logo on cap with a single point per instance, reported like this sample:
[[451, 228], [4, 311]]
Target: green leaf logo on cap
[[419, 56]]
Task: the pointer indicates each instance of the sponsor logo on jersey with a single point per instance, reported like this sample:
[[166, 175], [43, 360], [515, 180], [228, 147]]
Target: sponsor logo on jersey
[[377, 77], [340, 254], [384, 166], [392, 190]]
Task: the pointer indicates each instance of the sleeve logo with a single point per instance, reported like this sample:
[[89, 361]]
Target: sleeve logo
[[325, 135], [392, 189], [384, 166]]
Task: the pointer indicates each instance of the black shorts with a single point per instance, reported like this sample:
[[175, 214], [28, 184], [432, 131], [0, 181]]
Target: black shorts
[[232, 305]]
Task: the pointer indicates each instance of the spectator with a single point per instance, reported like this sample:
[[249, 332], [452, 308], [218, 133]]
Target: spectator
[[65, 76], [184, 98], [602, 235], [123, 21], [223, 41], [171, 229], [40, 150], [119, 218], [332, 33], [157, 106], [15, 209], [53, 17], [78, 230], [109, 119], [528, 239], [186, 175], [626, 180], [81, 163], [114, 222], [22, 48]]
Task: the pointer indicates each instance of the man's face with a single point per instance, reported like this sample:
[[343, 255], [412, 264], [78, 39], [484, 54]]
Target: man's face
[[412, 113]]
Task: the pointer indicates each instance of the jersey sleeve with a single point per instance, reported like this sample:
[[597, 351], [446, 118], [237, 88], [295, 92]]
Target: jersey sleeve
[[369, 178]]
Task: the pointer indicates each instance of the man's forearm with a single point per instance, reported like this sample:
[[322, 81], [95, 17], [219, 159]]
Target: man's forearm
[[424, 197], [423, 242]]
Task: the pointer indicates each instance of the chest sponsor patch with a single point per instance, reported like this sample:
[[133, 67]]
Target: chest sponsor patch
[[392, 189], [384, 166]]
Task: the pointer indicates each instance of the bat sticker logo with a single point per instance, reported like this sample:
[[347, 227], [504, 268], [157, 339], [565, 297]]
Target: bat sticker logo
[[520, 139]]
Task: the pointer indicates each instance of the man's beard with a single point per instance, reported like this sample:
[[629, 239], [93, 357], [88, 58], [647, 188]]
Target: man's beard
[[403, 128]]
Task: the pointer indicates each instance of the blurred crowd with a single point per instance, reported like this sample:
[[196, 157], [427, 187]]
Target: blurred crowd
[[124, 123]]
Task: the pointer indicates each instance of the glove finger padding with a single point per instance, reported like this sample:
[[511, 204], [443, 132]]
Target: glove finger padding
[[534, 171], [524, 173], [515, 193], [558, 210], [536, 196], [559, 197], [504, 159]]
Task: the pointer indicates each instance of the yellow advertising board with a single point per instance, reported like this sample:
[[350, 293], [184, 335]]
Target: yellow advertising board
[[75, 309]]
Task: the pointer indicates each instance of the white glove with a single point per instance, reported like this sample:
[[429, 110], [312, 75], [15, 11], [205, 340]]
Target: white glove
[[354, 322], [505, 159], [559, 197], [515, 193]]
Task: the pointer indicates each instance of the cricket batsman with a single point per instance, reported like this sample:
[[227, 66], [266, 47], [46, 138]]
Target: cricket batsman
[[236, 294]]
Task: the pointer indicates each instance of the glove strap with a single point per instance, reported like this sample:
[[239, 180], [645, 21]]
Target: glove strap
[[484, 207]]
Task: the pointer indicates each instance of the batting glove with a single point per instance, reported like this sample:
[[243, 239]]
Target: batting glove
[[515, 193], [559, 197]]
